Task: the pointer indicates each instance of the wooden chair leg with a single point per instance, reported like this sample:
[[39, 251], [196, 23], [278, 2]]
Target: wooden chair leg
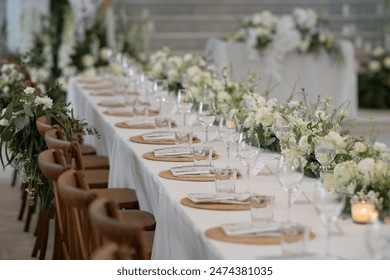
[[14, 177], [44, 234], [38, 234], [23, 202], [30, 212], [57, 250]]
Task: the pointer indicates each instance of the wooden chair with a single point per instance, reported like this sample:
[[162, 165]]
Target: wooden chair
[[55, 139], [112, 227], [81, 240], [43, 126], [111, 251]]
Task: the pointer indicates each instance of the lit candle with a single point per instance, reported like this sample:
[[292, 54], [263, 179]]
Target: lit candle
[[363, 212]]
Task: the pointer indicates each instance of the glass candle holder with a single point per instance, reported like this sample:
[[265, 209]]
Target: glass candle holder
[[363, 210]]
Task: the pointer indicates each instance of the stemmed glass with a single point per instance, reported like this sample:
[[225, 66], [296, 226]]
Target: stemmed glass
[[290, 176], [160, 92], [280, 127], [248, 150], [325, 153], [329, 206], [228, 133], [378, 240], [184, 102], [206, 115]]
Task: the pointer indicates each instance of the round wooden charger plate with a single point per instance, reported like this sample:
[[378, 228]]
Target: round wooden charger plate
[[127, 114], [151, 156], [139, 139], [111, 104], [167, 174], [139, 126], [215, 206], [218, 234], [102, 94]]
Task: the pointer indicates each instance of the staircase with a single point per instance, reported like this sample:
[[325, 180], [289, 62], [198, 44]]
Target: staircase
[[185, 25]]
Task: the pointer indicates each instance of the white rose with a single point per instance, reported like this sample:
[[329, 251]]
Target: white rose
[[88, 60], [265, 116], [46, 101], [157, 69], [337, 139], [4, 122], [359, 147], [29, 90], [378, 51], [380, 146], [374, 66], [386, 62], [188, 57], [105, 54]]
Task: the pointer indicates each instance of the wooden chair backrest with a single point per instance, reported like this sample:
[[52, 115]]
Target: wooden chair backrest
[[108, 222], [73, 190], [55, 139], [110, 251], [42, 124]]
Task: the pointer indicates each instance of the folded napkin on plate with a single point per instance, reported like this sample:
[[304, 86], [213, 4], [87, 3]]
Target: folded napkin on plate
[[139, 122], [213, 197], [191, 171], [173, 152], [249, 228], [158, 136], [92, 80], [119, 111]]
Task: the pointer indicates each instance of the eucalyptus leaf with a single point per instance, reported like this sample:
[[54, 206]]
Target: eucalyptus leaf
[[19, 123], [27, 110], [8, 112]]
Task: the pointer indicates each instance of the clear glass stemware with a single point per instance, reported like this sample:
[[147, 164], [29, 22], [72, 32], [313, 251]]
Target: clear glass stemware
[[329, 206], [248, 149], [280, 128], [160, 92], [184, 102], [325, 153], [206, 115], [290, 176], [227, 130]]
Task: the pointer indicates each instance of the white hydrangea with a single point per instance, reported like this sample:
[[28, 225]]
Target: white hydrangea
[[374, 66]]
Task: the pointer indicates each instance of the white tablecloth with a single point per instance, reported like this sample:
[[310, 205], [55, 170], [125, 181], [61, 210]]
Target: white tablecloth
[[317, 75], [180, 229]]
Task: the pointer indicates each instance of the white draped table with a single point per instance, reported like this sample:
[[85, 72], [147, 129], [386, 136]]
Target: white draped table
[[318, 75], [180, 229]]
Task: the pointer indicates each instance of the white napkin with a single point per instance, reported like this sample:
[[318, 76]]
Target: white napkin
[[111, 102], [191, 171], [249, 228], [118, 111], [213, 197], [158, 136], [137, 121], [100, 92], [173, 152]]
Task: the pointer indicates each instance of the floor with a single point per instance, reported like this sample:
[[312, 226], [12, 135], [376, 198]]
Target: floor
[[15, 244]]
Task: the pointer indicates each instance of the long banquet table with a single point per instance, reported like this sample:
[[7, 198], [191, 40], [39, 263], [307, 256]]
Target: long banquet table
[[180, 229]]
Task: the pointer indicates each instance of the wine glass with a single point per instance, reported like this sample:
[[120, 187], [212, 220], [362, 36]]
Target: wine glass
[[329, 206], [248, 150], [325, 152], [280, 128], [184, 102], [228, 133], [206, 115], [160, 92], [378, 240], [290, 175]]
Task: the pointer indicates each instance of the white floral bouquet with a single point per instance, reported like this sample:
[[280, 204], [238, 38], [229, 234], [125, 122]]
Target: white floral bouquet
[[308, 123], [163, 64], [314, 36], [10, 78], [374, 80], [365, 179]]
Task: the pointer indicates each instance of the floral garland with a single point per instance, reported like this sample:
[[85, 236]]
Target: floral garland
[[21, 140], [374, 80]]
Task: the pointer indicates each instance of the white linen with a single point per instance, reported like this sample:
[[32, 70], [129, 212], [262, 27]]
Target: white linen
[[180, 229], [317, 75]]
